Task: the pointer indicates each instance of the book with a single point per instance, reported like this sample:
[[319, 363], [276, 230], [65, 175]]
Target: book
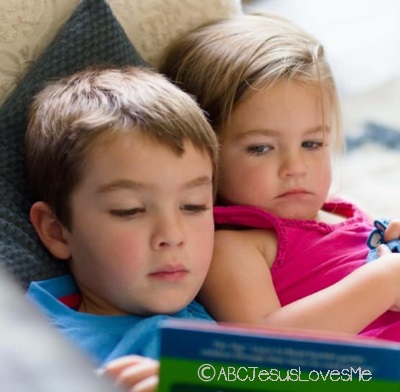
[[198, 356]]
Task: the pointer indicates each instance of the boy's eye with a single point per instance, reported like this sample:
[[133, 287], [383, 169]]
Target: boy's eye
[[127, 212], [195, 208], [312, 145], [259, 149]]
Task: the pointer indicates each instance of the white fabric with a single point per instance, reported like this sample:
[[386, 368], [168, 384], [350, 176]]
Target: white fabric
[[33, 356]]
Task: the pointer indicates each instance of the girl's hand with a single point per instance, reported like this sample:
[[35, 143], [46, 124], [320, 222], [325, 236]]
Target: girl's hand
[[136, 373], [383, 250], [392, 232]]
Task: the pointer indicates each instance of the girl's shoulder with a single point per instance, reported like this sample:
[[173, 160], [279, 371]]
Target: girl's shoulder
[[247, 231], [246, 244], [242, 217], [344, 209]]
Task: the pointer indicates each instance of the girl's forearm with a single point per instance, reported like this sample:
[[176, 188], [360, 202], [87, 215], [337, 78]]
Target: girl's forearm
[[347, 306]]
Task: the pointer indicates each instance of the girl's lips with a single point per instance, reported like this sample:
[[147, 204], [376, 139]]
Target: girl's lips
[[294, 192]]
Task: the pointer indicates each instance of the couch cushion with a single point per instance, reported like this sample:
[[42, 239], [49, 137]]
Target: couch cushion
[[153, 24], [92, 35]]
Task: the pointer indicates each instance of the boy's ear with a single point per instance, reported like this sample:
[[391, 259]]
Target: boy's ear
[[50, 231]]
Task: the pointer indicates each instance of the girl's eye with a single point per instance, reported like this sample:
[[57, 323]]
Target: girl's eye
[[127, 213], [259, 149], [195, 208], [312, 145]]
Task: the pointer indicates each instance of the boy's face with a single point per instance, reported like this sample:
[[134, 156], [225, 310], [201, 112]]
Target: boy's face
[[142, 227]]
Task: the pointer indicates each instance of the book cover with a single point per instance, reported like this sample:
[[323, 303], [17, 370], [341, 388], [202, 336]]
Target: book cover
[[207, 357]]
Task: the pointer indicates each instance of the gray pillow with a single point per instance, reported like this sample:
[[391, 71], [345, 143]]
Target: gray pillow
[[92, 35]]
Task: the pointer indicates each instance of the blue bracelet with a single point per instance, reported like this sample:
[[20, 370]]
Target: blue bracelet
[[376, 238]]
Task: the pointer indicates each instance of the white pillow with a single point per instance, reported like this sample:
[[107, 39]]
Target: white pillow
[[27, 27]]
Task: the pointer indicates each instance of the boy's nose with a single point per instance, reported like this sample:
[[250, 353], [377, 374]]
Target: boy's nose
[[168, 232]]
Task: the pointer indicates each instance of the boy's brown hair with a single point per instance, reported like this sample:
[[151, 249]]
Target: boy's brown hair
[[73, 114]]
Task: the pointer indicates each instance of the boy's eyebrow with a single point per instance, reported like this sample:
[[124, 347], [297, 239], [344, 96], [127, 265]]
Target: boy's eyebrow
[[118, 185], [123, 184], [199, 181]]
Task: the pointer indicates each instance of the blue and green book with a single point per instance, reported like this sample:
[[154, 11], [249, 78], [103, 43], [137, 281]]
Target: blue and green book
[[207, 357]]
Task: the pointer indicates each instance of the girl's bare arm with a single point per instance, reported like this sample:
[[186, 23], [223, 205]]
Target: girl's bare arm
[[239, 288]]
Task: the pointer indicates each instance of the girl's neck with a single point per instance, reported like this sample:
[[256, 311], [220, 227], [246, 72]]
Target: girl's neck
[[329, 217]]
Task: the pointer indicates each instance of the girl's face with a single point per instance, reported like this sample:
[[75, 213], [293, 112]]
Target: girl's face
[[275, 151]]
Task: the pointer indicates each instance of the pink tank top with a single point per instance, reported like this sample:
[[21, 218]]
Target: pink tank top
[[314, 255]]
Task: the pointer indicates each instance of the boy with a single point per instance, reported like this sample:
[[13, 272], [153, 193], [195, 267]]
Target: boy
[[122, 164]]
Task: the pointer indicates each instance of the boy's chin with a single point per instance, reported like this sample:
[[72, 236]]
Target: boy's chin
[[168, 308]]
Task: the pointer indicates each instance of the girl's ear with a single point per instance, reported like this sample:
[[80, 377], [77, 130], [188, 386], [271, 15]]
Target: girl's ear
[[50, 231]]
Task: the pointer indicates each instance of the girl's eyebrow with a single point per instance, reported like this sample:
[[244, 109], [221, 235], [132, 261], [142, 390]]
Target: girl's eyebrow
[[318, 129], [130, 185], [272, 132], [256, 132]]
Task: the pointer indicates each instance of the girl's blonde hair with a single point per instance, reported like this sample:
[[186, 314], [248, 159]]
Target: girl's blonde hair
[[219, 62]]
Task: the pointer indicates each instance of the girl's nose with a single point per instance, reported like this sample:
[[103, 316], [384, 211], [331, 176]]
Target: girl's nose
[[292, 165]]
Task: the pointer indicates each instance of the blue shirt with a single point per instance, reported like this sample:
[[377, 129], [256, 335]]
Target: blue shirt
[[103, 337]]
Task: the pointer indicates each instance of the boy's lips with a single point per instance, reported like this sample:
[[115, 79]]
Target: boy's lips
[[170, 273]]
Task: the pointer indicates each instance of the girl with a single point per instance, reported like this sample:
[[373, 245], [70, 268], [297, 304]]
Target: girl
[[298, 259]]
